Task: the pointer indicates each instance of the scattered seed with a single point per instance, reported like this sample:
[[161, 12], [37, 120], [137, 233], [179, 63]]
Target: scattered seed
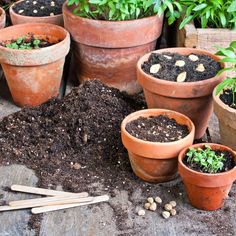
[[166, 214], [200, 68], [150, 200], [173, 203], [147, 205], [180, 63], [168, 57], [155, 68], [182, 77], [34, 2], [158, 200], [173, 212], [153, 207], [141, 212], [51, 14], [193, 57], [20, 11], [35, 11], [167, 207]]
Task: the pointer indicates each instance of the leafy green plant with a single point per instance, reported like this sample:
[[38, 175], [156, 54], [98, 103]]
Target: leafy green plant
[[210, 13], [115, 10], [24, 43], [228, 55], [206, 159]]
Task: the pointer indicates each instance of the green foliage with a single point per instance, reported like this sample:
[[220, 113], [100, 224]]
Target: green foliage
[[115, 10], [228, 55], [210, 13], [24, 43], [206, 159]]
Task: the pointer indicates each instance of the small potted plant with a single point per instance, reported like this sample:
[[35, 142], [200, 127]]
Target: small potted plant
[[224, 97], [37, 11], [181, 79], [154, 138], [2, 18], [208, 172], [32, 58], [110, 36]]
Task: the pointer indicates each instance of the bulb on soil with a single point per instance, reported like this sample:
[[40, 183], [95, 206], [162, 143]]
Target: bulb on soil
[[181, 77], [200, 68], [155, 68], [180, 63], [193, 57], [166, 214]]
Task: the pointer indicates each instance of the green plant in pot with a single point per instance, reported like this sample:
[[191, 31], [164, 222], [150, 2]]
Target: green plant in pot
[[110, 36], [224, 97]]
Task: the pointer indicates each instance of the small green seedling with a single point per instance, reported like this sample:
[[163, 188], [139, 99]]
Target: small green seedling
[[206, 159]]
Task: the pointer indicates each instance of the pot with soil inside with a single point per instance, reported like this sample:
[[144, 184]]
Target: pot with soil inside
[[154, 138], [208, 172], [108, 50], [2, 18], [181, 79], [32, 58], [37, 11]]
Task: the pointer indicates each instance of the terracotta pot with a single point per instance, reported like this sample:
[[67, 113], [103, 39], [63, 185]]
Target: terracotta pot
[[109, 50], [2, 18], [155, 161], [206, 191], [20, 19], [227, 121], [194, 99], [34, 76]]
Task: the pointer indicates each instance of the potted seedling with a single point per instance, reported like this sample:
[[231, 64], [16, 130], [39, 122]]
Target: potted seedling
[[2, 18], [154, 138], [37, 11], [181, 79], [32, 58], [224, 97], [110, 36], [208, 171]]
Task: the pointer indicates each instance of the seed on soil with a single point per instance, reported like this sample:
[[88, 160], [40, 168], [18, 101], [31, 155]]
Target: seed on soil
[[147, 205], [180, 63], [182, 77], [35, 11], [141, 212], [158, 200], [166, 214], [173, 212], [168, 57], [193, 57], [51, 14], [173, 203], [20, 11], [153, 207], [155, 68], [150, 200], [200, 68], [168, 207]]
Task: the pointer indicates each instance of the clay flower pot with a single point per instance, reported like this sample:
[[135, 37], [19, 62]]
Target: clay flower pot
[[2, 18], [155, 161], [109, 50], [34, 76], [20, 19], [194, 99], [227, 121], [206, 191]]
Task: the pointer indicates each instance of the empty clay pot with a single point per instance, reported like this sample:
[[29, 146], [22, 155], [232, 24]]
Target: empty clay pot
[[155, 161], [227, 121], [194, 99], [109, 50], [2, 18], [20, 19], [206, 191], [34, 76]]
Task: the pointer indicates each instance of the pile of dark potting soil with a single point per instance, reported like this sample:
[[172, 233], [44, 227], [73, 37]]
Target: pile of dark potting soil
[[39, 7], [227, 98], [169, 71], [157, 129], [73, 142]]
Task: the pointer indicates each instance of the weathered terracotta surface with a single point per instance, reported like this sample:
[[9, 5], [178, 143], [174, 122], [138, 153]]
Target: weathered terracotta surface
[[2, 18], [153, 161], [193, 99], [109, 50], [227, 121], [206, 191], [20, 19], [34, 76]]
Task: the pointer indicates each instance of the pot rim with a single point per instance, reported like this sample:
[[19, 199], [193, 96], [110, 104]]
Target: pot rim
[[183, 152], [137, 114], [174, 49], [11, 11]]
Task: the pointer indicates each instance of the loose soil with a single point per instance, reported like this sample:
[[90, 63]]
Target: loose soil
[[228, 163], [227, 98], [169, 71], [157, 129], [39, 7]]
